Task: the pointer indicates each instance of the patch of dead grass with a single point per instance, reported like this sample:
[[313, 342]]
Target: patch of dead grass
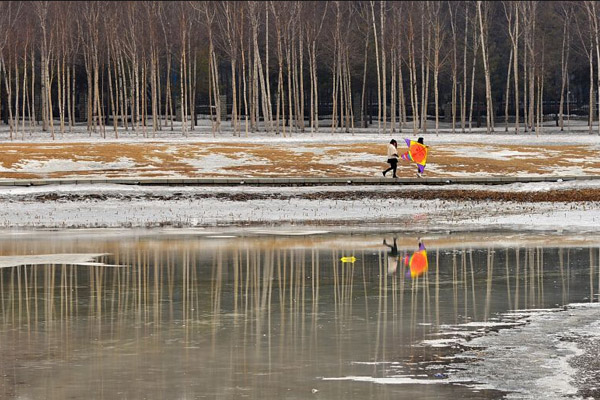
[[160, 159]]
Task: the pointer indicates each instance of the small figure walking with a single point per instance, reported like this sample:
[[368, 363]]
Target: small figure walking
[[417, 153], [392, 157]]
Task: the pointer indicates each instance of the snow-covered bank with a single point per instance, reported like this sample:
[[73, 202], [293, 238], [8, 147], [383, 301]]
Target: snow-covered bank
[[527, 354], [131, 206], [540, 359]]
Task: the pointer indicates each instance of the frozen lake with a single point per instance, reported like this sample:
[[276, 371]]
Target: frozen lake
[[226, 315]]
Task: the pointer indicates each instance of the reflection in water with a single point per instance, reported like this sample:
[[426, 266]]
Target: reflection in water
[[228, 319], [392, 256], [417, 262]]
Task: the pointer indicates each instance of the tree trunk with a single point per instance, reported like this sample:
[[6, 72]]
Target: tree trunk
[[516, 71], [488, 87], [364, 82], [383, 65], [402, 111], [463, 105], [510, 58], [378, 68], [563, 68], [475, 50]]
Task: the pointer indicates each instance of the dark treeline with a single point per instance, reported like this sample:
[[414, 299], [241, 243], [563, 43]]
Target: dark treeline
[[282, 67]]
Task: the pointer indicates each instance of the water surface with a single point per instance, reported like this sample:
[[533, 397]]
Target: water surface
[[231, 316]]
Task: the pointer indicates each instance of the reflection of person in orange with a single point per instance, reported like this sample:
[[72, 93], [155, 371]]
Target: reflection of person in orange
[[392, 257], [417, 263]]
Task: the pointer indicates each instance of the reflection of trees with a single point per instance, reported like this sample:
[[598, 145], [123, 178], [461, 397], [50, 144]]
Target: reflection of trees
[[250, 285], [245, 304]]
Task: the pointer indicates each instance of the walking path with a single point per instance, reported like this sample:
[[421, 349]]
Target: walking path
[[308, 181]]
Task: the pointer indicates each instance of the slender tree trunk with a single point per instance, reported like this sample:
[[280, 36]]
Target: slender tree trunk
[[591, 107], [597, 41], [364, 82], [402, 110], [24, 93], [33, 86], [268, 112], [383, 64], [312, 88], [516, 71], [475, 50], [393, 90], [244, 80], [153, 89], [525, 74], [73, 87], [182, 92], [169, 90], [159, 93], [454, 67], [463, 105], [507, 91], [301, 58], [378, 68], [234, 116], [111, 95], [425, 100], [486, 69], [334, 94], [564, 57], [17, 95], [414, 97], [7, 84]]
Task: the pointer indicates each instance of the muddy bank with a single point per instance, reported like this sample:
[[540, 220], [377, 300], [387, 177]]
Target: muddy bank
[[561, 196]]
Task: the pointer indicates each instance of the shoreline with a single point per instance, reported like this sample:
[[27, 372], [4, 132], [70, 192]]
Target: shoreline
[[549, 206]]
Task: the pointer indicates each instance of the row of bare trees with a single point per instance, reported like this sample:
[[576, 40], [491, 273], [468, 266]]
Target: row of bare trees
[[286, 67]]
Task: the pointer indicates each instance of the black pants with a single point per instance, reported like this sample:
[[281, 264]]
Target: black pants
[[393, 165]]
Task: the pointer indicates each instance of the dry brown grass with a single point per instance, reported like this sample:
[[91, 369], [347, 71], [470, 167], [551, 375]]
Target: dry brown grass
[[315, 160]]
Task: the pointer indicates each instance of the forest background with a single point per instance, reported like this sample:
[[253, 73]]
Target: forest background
[[298, 66]]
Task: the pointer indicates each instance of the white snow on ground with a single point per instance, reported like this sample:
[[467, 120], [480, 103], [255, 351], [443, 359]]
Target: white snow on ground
[[51, 259], [494, 153], [20, 209], [577, 134], [52, 165], [215, 163]]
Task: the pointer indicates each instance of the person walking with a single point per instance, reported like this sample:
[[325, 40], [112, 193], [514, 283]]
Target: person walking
[[417, 153], [420, 168], [392, 157]]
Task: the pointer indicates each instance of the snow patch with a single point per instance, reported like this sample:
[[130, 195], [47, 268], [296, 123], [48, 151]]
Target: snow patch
[[52, 259]]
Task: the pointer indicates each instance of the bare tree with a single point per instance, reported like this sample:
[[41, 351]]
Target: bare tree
[[482, 18], [586, 38], [438, 43], [379, 105], [512, 16], [591, 8], [566, 13]]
